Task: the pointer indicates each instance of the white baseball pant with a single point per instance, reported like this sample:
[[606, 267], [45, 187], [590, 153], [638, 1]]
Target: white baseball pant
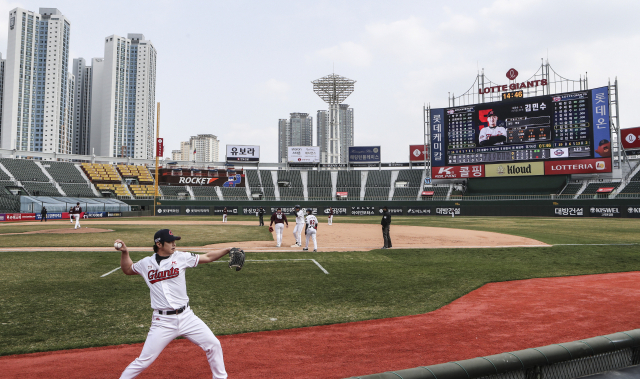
[[311, 232], [330, 219], [166, 328], [279, 228], [224, 218], [297, 233], [77, 216]]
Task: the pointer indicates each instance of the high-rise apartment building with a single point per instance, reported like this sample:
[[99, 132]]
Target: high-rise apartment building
[[324, 134], [81, 106], [206, 147], [123, 104], [296, 131], [200, 148], [35, 111]]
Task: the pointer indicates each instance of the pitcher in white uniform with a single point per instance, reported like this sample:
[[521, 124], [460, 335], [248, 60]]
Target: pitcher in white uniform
[[164, 273], [310, 230], [297, 231]]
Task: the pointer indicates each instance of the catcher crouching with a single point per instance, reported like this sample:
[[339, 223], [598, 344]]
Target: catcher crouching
[[164, 274]]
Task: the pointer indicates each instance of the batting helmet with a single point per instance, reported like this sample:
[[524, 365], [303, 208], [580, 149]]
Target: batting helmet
[[297, 207], [309, 210]]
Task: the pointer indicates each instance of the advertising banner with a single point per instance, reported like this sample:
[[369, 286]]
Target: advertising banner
[[217, 210], [114, 214], [167, 210], [303, 154], [630, 138], [394, 211], [54, 216], [514, 169], [337, 211], [19, 216], [197, 210], [363, 211], [251, 211], [364, 154], [456, 172], [159, 147], [243, 153], [418, 153], [419, 211], [569, 211], [449, 211], [578, 166], [437, 138], [93, 215], [633, 211], [605, 212]]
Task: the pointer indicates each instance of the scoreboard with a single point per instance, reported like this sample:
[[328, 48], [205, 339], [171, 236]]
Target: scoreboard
[[555, 131]]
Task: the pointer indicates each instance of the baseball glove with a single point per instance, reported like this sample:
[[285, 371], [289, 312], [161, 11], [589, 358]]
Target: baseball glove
[[271, 229], [236, 258]]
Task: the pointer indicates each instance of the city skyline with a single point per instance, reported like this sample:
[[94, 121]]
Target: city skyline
[[226, 58]]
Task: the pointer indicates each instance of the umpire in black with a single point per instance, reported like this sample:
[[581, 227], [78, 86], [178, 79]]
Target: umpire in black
[[261, 215], [386, 225]]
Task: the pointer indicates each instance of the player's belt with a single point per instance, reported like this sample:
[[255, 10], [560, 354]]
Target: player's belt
[[175, 311]]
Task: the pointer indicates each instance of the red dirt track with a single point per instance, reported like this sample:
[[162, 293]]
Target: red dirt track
[[496, 318]]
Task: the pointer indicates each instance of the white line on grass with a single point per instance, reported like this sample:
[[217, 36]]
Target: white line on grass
[[249, 260]]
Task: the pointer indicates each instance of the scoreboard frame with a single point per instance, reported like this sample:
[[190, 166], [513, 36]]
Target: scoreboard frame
[[567, 133]]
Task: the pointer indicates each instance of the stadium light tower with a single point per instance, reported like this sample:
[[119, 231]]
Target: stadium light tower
[[333, 89]]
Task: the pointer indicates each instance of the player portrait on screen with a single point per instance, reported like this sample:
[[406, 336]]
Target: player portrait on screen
[[492, 132]]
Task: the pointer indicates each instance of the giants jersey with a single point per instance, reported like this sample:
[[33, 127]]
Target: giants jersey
[[167, 282], [279, 218], [312, 221], [77, 209], [487, 133], [300, 217]]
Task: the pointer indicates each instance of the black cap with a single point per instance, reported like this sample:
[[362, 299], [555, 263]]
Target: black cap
[[491, 113], [309, 210], [297, 206], [603, 142], [278, 208], [165, 235], [385, 207]]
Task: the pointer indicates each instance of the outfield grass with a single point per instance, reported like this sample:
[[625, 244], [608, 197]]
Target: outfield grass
[[133, 235], [55, 301]]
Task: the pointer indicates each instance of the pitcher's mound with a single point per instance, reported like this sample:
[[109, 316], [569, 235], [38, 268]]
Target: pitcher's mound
[[63, 231]]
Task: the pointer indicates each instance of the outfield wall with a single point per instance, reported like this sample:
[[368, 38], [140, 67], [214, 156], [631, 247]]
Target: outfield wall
[[542, 208]]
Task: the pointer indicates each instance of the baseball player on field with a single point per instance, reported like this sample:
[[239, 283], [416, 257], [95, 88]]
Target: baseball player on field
[[297, 230], [310, 229], [330, 218], [224, 214], [279, 219], [77, 211], [164, 274], [71, 215]]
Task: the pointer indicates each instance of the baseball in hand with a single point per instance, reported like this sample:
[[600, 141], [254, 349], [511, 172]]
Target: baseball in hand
[[117, 245]]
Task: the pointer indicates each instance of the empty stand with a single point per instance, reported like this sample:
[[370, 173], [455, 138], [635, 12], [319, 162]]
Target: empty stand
[[142, 190], [253, 181], [63, 172], [205, 193], [319, 185], [439, 192], [174, 191], [41, 189], [267, 184], [77, 189], [350, 182], [139, 172], [591, 190], [570, 191], [413, 178], [234, 193], [295, 191], [378, 185], [24, 170]]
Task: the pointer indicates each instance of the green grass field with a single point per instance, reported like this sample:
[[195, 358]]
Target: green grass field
[[58, 300]]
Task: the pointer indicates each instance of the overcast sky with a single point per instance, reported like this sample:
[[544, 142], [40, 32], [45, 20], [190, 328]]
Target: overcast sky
[[233, 68]]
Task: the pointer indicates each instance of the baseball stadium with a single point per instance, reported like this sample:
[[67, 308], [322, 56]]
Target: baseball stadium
[[515, 253]]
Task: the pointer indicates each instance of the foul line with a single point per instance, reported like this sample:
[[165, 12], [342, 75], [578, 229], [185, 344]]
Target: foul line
[[252, 260]]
